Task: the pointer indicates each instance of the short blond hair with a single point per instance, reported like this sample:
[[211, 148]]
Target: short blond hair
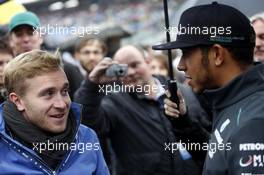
[[28, 65]]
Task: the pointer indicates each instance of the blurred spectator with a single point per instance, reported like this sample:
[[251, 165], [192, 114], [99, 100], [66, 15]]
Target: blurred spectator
[[6, 55], [159, 65], [40, 126], [257, 22], [25, 37], [133, 118], [89, 51]]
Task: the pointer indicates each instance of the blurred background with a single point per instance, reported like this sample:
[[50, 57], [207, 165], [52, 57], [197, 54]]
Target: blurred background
[[118, 22]]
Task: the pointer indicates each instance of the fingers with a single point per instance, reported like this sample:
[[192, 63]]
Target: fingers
[[168, 94], [171, 108], [180, 96], [182, 104], [99, 70], [105, 63]]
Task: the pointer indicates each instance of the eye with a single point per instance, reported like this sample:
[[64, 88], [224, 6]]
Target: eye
[[18, 34], [134, 65], [261, 36], [65, 92], [49, 92]]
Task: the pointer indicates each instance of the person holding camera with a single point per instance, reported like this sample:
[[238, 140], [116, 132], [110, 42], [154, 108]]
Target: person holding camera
[[132, 115]]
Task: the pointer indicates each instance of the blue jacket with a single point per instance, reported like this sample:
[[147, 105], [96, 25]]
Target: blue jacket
[[18, 159]]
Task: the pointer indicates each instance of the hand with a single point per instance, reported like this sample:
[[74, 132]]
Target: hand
[[98, 73], [171, 108]]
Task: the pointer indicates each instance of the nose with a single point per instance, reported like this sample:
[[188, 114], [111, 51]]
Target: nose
[[25, 37], [181, 66], [130, 71], [60, 102], [259, 42]]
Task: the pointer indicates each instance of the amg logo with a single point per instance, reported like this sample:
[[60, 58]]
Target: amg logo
[[251, 147], [252, 160]]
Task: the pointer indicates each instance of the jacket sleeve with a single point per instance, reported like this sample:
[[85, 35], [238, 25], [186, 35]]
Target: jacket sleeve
[[101, 168], [195, 126], [98, 110], [247, 149]]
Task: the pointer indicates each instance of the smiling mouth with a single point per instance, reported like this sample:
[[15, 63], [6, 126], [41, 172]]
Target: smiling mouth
[[187, 77], [57, 116]]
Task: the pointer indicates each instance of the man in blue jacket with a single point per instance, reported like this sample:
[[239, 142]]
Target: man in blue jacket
[[218, 60], [40, 128]]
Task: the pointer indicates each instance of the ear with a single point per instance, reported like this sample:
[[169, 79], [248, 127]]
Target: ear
[[40, 40], [77, 55], [10, 39], [16, 99], [217, 52], [148, 60]]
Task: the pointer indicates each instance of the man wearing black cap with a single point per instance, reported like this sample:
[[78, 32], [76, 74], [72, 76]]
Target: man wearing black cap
[[220, 64]]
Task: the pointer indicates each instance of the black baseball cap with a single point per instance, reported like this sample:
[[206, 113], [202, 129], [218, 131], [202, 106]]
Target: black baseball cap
[[212, 24]]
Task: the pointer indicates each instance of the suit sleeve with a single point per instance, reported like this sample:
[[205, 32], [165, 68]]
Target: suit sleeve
[[194, 127], [98, 110]]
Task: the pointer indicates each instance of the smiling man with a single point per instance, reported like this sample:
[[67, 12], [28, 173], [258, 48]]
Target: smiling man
[[222, 68], [25, 35], [38, 115]]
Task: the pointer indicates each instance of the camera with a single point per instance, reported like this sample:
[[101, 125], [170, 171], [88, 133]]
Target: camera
[[117, 70]]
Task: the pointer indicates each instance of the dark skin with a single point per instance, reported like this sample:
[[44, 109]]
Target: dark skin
[[201, 74]]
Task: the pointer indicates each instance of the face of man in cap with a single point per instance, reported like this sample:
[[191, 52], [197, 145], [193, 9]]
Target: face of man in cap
[[24, 38], [196, 65], [211, 59], [259, 49]]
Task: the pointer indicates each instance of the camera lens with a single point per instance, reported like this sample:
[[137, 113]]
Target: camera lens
[[120, 71]]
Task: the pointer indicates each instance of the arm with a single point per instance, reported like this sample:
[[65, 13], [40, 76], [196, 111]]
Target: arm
[[190, 124], [93, 113], [98, 111]]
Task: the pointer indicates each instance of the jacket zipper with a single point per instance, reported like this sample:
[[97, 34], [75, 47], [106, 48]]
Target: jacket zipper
[[53, 172], [75, 136], [29, 153]]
